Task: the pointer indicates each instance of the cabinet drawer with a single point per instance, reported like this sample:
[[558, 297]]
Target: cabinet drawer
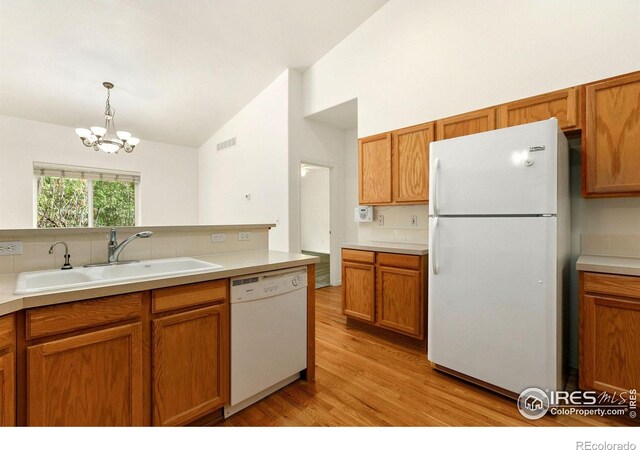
[[7, 337], [625, 286], [399, 261], [177, 297], [56, 319], [358, 256]]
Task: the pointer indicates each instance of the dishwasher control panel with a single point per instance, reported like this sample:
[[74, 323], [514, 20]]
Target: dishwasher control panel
[[254, 287]]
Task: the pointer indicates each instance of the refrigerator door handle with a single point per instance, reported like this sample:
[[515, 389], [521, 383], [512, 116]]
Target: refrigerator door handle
[[432, 247], [436, 210]]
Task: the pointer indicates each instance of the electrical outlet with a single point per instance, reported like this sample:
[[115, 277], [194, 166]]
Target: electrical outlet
[[414, 221], [11, 248], [218, 237], [380, 220], [244, 236]]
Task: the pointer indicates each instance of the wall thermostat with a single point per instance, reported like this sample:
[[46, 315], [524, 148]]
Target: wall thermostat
[[364, 213]]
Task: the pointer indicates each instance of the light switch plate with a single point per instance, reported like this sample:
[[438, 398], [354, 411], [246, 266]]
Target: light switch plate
[[244, 236], [11, 248], [414, 221]]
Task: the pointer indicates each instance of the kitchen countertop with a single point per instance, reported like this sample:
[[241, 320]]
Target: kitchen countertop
[[234, 264], [609, 264], [389, 247]]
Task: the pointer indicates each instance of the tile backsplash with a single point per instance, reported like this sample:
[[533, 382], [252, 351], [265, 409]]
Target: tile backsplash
[[625, 245], [91, 246], [397, 225]]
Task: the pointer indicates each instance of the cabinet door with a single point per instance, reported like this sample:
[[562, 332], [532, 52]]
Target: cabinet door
[[94, 379], [7, 390], [190, 365], [411, 164], [399, 301], [374, 169], [611, 138], [358, 291], [468, 123], [563, 105], [609, 340]]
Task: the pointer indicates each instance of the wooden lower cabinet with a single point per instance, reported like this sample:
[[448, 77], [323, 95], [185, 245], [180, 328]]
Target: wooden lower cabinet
[[609, 333], [399, 305], [156, 357], [7, 372], [358, 291], [93, 379], [8, 389], [190, 364], [389, 291]]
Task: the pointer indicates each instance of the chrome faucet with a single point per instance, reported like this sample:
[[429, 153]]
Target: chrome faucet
[[115, 249], [66, 265]]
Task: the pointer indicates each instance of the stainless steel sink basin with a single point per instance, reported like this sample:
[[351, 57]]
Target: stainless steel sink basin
[[48, 280]]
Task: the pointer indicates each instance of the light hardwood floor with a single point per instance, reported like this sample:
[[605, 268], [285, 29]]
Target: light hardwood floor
[[364, 380]]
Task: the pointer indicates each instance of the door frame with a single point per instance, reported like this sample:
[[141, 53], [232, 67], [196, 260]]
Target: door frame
[[334, 241]]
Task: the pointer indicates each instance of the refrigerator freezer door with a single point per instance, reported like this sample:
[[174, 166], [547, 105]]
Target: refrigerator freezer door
[[492, 305], [509, 171]]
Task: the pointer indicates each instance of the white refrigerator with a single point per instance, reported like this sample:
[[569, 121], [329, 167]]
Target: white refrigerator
[[499, 255]]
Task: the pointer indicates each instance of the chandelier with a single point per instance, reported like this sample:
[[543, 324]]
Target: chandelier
[[107, 138]]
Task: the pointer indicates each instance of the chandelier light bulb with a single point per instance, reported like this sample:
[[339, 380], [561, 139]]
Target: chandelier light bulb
[[83, 132], [98, 131], [124, 135]]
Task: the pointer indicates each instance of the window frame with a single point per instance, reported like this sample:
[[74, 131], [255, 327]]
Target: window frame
[[136, 199]]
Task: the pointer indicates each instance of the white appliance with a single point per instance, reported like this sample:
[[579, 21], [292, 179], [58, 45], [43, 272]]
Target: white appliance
[[268, 334], [364, 213], [499, 255]]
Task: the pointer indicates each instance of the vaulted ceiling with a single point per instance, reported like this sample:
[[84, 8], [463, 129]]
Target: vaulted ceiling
[[181, 68]]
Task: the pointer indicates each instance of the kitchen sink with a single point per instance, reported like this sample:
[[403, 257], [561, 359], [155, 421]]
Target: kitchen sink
[[48, 280]]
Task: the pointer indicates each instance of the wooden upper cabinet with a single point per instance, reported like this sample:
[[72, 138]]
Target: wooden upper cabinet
[[93, 379], [468, 123], [563, 105], [190, 365], [374, 167], [411, 163], [611, 137]]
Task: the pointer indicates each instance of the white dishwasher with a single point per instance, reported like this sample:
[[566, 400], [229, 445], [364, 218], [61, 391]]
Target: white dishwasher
[[268, 334]]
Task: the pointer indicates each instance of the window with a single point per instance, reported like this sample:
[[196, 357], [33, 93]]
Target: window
[[84, 198]]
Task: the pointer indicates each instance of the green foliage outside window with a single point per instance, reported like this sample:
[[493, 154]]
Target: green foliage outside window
[[113, 204], [64, 202]]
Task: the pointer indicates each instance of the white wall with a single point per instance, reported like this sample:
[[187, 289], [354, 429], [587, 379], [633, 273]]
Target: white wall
[[417, 60], [320, 144], [256, 165], [315, 226], [168, 187], [350, 151]]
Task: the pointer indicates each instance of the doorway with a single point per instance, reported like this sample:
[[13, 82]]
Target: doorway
[[315, 218]]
